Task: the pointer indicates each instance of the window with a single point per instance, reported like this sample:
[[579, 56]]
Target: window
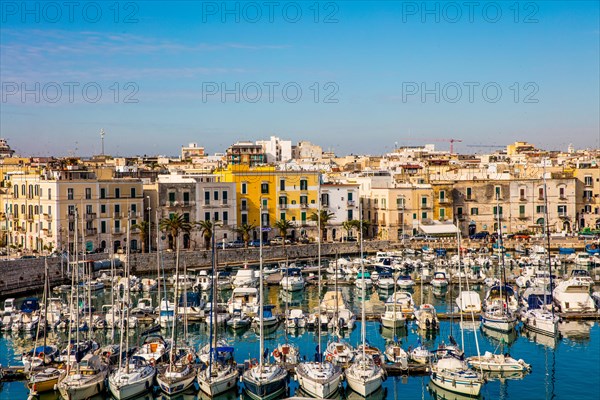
[[442, 213], [216, 195], [522, 193], [133, 209], [16, 192], [282, 184], [541, 193], [264, 188], [562, 211], [587, 194], [23, 189], [588, 180], [69, 193], [400, 202], [49, 210], [117, 193], [561, 192], [186, 198], [265, 203], [282, 201], [424, 201], [459, 211], [224, 197], [350, 215], [117, 226], [117, 208], [244, 188], [424, 215], [71, 226], [474, 211], [282, 216], [350, 196], [442, 196], [303, 217], [496, 211], [206, 198], [244, 205], [88, 193], [102, 193], [303, 200], [216, 216], [324, 199], [587, 208], [171, 198], [265, 219], [521, 210], [103, 208], [414, 215], [540, 209], [70, 209], [469, 193], [383, 203], [186, 217], [132, 193], [244, 219], [225, 218], [89, 209], [303, 184], [497, 191], [207, 216]]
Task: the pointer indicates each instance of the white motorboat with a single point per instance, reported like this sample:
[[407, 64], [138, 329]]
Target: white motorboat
[[363, 279], [541, 321], [426, 318], [499, 318], [420, 355], [405, 282], [203, 282], [244, 299], [239, 320], [573, 295], [339, 353], [292, 280], [269, 319], [503, 294], [393, 317], [439, 280], [385, 281], [404, 301], [149, 284], [582, 259], [395, 354], [498, 363], [295, 319], [245, 278]]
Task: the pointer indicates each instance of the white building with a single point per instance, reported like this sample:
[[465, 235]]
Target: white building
[[342, 201], [276, 150]]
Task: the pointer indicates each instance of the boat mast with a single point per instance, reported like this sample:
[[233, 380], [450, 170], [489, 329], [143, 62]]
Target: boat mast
[[260, 279], [75, 242], [176, 306], [213, 317], [547, 223], [89, 280], [462, 333], [500, 244], [363, 324], [127, 273], [319, 357], [112, 290], [157, 264]]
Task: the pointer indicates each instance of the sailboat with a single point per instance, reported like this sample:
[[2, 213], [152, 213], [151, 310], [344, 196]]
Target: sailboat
[[134, 375], [364, 376], [319, 379], [264, 381], [180, 372], [393, 317], [450, 371], [543, 320], [87, 377], [220, 374], [498, 314]]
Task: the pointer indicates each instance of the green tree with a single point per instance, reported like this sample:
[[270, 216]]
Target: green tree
[[174, 225], [283, 225], [244, 231], [145, 228], [348, 227], [206, 229], [325, 217]]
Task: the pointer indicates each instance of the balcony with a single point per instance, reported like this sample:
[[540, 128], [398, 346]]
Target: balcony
[[118, 231], [303, 205], [48, 217], [563, 215], [90, 216], [522, 198], [425, 206], [351, 203], [117, 215], [445, 200], [522, 216], [244, 208], [461, 217], [91, 231], [283, 206]]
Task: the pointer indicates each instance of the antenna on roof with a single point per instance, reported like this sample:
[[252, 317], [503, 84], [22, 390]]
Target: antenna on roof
[[102, 138]]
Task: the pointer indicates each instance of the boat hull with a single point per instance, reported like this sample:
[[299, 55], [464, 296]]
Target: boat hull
[[265, 391], [173, 386], [218, 386], [129, 390], [466, 387], [81, 392], [364, 387]]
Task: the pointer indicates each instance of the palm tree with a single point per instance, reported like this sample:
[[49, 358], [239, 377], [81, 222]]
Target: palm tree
[[348, 226], [145, 228], [325, 217], [206, 228], [244, 230], [175, 224], [283, 225]]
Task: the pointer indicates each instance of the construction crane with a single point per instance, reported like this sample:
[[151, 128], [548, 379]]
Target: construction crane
[[491, 146], [451, 141]]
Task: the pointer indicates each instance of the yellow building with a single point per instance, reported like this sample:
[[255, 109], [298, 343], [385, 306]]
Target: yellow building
[[290, 195]]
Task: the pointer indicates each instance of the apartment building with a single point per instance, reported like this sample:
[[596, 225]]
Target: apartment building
[[44, 210], [341, 200]]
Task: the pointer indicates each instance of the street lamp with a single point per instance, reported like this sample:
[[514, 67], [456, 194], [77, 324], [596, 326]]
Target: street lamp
[[149, 228]]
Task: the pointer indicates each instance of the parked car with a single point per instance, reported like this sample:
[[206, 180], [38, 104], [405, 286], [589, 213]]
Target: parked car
[[479, 235], [522, 236], [236, 244], [279, 240], [304, 240], [254, 243], [421, 236], [348, 239]]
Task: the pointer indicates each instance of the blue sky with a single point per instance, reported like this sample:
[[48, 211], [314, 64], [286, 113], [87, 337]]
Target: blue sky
[[361, 67]]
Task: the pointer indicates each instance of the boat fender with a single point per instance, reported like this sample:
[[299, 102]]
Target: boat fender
[[190, 358], [98, 388], [329, 357], [434, 375], [454, 382], [147, 385], [152, 362], [276, 353]]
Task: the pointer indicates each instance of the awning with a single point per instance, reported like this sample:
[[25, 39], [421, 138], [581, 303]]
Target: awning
[[439, 229]]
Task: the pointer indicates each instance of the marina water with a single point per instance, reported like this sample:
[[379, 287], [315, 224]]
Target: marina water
[[564, 368]]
